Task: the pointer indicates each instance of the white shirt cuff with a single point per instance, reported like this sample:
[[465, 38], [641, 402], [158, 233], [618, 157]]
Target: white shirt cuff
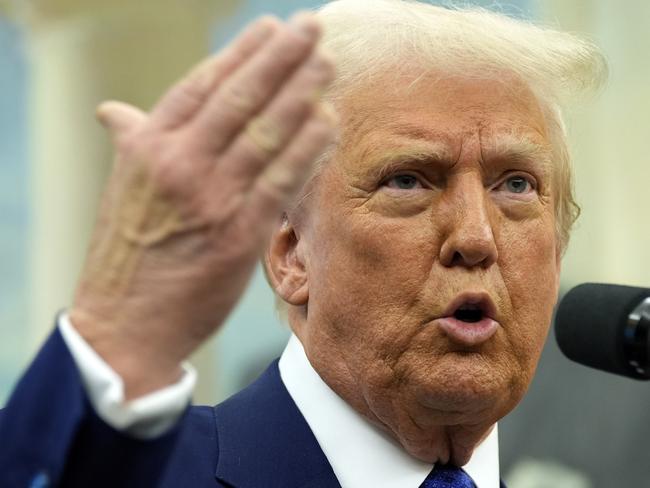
[[145, 417]]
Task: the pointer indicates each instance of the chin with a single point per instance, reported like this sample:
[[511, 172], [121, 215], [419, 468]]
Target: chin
[[467, 389]]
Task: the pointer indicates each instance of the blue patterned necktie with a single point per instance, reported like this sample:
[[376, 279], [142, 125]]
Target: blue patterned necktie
[[447, 476]]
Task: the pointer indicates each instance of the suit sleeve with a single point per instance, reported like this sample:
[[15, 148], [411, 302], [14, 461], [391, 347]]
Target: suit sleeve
[[146, 417], [51, 436]]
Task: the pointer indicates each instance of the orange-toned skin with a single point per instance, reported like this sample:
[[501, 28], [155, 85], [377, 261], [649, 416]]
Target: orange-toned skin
[[369, 266]]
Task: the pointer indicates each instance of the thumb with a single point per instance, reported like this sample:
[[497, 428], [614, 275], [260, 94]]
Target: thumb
[[118, 117]]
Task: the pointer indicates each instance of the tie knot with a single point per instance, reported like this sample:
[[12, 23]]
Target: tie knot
[[448, 476]]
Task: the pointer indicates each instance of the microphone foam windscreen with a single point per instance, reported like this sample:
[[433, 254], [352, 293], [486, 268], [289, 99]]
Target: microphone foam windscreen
[[590, 324]]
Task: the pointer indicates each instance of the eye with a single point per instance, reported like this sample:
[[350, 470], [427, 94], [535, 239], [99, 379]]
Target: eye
[[517, 184], [403, 182]]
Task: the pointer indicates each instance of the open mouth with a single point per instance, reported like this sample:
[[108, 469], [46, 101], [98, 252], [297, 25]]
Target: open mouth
[[470, 319], [469, 312], [471, 308]]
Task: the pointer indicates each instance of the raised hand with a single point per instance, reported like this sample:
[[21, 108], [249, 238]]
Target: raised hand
[[197, 186]]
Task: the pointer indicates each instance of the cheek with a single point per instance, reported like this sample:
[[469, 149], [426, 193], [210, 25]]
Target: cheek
[[398, 253], [529, 270], [375, 266]]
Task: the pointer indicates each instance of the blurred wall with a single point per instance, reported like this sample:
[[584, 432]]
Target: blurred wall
[[610, 137], [14, 205]]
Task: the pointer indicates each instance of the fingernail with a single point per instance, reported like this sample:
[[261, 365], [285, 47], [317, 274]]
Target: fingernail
[[265, 26], [322, 56], [306, 24]]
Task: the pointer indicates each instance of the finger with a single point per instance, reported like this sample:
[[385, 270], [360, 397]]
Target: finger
[[119, 118], [254, 84], [184, 99], [284, 178], [268, 134]]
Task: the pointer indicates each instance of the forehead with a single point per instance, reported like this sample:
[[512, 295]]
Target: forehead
[[443, 114]]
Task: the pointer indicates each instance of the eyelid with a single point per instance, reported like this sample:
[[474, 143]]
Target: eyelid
[[405, 172], [517, 174]]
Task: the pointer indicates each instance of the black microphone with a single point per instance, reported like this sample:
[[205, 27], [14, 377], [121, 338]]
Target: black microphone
[[606, 327]]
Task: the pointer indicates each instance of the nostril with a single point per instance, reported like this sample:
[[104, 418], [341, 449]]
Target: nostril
[[457, 259]]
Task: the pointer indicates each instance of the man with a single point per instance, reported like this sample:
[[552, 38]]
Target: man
[[419, 263]]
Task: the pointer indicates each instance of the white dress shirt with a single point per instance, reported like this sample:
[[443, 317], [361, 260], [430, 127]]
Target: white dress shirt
[[145, 417], [360, 454]]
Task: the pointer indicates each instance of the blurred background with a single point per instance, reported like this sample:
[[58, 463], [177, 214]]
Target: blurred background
[[577, 428]]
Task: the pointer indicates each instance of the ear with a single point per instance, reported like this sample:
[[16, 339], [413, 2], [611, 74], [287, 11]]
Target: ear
[[285, 264]]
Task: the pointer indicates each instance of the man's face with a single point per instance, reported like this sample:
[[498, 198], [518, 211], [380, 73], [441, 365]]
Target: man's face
[[431, 257]]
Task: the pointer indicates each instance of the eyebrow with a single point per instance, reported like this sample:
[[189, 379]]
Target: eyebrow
[[504, 146], [430, 152], [516, 147]]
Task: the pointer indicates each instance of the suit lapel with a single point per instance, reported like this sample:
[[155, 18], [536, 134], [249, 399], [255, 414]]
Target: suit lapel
[[265, 441]]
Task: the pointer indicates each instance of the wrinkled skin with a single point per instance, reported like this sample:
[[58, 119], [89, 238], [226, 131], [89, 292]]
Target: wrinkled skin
[[373, 258], [195, 190]]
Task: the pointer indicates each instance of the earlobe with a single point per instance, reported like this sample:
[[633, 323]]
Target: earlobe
[[285, 264]]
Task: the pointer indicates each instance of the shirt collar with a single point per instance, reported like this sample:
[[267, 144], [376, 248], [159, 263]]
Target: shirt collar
[[344, 435]]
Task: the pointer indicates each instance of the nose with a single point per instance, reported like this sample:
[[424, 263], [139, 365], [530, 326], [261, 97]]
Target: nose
[[469, 238]]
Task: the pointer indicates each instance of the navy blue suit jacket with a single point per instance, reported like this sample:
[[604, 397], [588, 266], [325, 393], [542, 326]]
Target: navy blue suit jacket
[[51, 436]]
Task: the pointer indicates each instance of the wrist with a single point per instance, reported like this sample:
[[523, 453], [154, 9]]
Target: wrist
[[142, 364]]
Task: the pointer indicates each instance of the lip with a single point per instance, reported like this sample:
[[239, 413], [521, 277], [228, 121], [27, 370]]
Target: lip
[[466, 333]]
